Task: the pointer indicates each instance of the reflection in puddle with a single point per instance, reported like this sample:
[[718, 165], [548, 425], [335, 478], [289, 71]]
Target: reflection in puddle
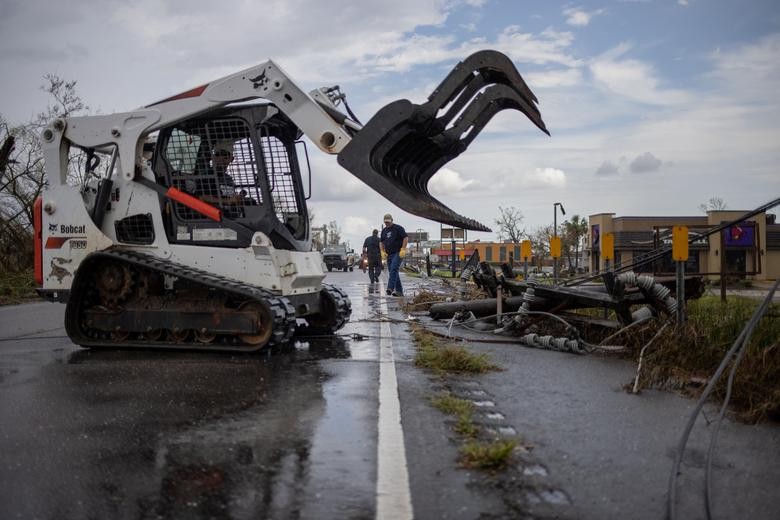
[[191, 434]]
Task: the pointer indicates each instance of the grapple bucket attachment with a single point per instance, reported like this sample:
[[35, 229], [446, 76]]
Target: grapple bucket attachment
[[404, 144]]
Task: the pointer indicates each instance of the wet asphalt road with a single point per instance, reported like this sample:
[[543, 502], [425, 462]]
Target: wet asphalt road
[[136, 435]]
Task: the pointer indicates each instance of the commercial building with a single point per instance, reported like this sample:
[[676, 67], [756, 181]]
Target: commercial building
[[493, 252], [750, 249]]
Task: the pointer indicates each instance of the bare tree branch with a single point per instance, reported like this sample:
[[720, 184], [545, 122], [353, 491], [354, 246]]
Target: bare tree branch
[[508, 222]]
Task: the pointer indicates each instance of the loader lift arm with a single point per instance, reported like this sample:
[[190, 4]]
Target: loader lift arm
[[396, 153], [126, 130]]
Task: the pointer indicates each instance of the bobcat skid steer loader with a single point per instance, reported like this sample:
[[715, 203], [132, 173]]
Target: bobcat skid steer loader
[[190, 228]]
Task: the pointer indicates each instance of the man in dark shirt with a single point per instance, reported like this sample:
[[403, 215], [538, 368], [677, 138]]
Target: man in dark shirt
[[373, 253], [393, 243]]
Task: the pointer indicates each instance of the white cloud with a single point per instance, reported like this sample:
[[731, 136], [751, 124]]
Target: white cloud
[[633, 79], [405, 52], [330, 182], [356, 226], [645, 163], [607, 168], [682, 2], [750, 71], [549, 46], [555, 78], [449, 182], [544, 178], [579, 17]]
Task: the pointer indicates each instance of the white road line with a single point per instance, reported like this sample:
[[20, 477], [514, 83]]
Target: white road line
[[393, 499]]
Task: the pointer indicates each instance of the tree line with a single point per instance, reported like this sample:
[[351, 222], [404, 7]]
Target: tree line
[[22, 177], [573, 232]]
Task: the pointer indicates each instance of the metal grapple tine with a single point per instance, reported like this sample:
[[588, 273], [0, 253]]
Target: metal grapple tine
[[404, 144], [487, 104], [488, 65], [471, 89]]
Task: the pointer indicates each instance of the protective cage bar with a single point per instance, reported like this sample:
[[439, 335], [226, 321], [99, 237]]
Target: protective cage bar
[[404, 144], [281, 179], [215, 162]]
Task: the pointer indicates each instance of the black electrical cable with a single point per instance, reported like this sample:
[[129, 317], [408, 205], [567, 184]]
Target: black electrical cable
[[740, 341], [722, 413], [349, 111]]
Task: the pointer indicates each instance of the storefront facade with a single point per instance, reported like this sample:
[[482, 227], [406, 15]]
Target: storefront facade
[[750, 250]]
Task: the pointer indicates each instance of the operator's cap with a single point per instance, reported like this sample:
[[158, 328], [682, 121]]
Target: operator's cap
[[388, 217]]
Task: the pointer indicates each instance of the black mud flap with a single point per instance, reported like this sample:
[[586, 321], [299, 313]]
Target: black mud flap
[[404, 144]]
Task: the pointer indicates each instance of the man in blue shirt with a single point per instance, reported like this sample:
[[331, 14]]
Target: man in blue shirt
[[393, 243]]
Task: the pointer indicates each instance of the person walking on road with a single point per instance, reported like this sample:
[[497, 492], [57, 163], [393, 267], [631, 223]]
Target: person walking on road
[[374, 254], [393, 243]]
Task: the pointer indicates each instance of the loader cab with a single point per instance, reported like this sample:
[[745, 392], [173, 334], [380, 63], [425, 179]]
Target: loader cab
[[244, 162]]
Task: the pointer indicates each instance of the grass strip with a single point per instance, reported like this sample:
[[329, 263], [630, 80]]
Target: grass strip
[[682, 356], [487, 455], [462, 409], [436, 355], [17, 287]]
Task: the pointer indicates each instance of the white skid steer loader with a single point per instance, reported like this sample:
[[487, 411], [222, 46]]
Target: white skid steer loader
[[194, 232]]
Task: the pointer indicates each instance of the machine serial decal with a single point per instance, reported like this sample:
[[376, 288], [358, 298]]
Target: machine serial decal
[[58, 242]]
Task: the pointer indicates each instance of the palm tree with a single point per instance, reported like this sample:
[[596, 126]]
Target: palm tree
[[574, 230]]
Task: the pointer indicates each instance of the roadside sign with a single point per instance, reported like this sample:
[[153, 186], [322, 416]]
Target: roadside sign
[[680, 243], [555, 247], [525, 249], [452, 233], [608, 246]]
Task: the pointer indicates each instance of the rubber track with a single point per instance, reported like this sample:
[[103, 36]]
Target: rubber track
[[343, 305], [343, 312], [283, 311]]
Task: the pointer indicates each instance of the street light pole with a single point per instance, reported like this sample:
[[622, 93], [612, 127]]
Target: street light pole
[[555, 234]]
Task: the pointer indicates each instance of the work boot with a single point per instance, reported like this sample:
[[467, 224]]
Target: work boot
[[389, 292]]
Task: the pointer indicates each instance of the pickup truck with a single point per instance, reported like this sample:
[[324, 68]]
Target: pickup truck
[[338, 257]]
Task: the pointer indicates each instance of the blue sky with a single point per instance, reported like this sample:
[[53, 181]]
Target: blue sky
[[653, 106]]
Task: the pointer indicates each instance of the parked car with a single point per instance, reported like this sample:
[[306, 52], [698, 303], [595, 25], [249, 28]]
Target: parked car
[[338, 257]]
